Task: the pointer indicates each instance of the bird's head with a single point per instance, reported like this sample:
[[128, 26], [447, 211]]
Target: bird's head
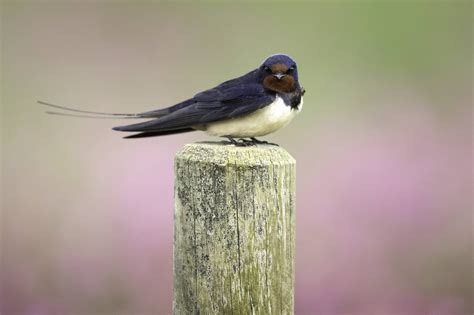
[[279, 73]]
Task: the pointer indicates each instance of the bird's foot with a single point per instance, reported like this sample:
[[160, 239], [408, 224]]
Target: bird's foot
[[256, 141], [247, 142], [241, 142]]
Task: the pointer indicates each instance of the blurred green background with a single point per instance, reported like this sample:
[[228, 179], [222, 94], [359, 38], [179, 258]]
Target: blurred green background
[[383, 149]]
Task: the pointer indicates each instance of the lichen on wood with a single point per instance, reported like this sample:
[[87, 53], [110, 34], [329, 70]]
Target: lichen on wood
[[234, 237]]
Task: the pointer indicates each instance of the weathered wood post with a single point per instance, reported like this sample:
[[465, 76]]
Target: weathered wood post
[[234, 230]]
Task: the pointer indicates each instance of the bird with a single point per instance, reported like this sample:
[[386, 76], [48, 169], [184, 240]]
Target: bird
[[241, 109]]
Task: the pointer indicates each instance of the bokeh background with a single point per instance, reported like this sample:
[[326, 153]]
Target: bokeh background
[[383, 149]]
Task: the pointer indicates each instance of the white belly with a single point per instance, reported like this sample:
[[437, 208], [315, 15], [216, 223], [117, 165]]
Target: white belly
[[259, 123]]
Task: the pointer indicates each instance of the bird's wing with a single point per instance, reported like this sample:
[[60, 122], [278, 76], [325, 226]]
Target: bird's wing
[[227, 90], [212, 105]]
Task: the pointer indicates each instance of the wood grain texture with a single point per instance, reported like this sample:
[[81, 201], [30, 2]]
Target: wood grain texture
[[234, 237]]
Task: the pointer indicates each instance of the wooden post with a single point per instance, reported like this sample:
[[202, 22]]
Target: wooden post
[[234, 230]]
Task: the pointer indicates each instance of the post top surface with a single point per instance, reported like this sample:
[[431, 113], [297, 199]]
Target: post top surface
[[222, 154]]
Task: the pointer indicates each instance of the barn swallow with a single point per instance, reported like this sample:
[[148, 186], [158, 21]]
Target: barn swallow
[[253, 105]]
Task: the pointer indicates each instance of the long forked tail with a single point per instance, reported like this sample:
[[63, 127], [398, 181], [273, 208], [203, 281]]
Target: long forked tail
[[73, 112], [92, 114]]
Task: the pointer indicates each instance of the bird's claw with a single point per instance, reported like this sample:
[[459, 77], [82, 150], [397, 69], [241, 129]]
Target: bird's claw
[[241, 142], [255, 140], [247, 143]]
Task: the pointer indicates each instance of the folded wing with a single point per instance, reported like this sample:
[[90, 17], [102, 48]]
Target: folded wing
[[220, 103]]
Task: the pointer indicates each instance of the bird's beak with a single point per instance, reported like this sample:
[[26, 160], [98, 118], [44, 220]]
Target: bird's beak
[[279, 75]]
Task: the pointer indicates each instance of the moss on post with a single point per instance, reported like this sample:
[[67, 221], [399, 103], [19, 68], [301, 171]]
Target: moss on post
[[234, 237]]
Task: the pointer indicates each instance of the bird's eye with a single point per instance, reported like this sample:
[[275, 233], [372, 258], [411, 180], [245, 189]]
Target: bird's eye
[[267, 69], [291, 69]]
